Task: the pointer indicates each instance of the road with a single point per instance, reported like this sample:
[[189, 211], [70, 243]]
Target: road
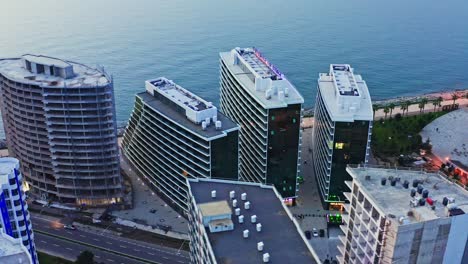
[[138, 249]]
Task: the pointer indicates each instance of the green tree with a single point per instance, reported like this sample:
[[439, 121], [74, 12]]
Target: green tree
[[405, 106], [85, 257], [386, 110], [375, 107], [391, 106], [424, 102], [454, 98], [437, 102]]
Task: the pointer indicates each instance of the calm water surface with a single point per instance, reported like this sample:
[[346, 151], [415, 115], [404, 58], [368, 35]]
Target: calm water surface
[[400, 47]]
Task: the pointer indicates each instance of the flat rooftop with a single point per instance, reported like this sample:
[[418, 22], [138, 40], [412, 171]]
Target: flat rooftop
[[215, 208], [249, 61], [395, 200], [11, 246], [449, 137], [281, 236], [345, 94], [14, 68], [7, 165], [179, 118]]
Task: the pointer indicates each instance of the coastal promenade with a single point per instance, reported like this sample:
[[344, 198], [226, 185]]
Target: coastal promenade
[[413, 109]]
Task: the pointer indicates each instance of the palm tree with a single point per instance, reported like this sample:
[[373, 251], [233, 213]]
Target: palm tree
[[423, 103], [454, 98], [403, 107], [375, 107], [391, 106], [437, 102], [386, 110], [407, 105]]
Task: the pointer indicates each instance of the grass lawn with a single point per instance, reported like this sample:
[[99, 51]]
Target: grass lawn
[[400, 134], [48, 259]]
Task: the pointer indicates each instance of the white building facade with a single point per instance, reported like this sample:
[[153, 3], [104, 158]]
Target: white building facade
[[15, 218]]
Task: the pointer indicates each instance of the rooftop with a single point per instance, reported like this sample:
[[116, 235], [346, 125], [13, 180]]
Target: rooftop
[[345, 94], [395, 201], [282, 237], [215, 208], [261, 79], [171, 112], [450, 143], [16, 69], [12, 250], [7, 165]]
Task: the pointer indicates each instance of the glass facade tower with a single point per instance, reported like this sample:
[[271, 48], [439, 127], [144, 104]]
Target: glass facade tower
[[269, 110], [342, 130]]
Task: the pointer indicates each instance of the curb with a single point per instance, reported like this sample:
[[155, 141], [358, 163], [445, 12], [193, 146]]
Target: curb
[[97, 247]]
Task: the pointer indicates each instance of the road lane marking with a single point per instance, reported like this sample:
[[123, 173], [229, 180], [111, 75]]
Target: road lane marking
[[70, 249], [82, 236], [70, 233], [123, 246], [110, 243], [137, 250], [111, 260], [42, 241], [95, 239], [55, 245], [151, 253], [97, 256], [165, 257]]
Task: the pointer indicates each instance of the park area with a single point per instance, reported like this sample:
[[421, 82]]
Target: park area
[[399, 135]]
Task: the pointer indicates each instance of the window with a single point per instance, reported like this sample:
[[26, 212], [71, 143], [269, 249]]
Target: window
[[339, 145]]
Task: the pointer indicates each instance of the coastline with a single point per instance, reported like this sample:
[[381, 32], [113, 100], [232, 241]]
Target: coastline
[[446, 95]]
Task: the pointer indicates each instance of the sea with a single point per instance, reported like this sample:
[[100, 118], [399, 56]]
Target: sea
[[400, 47]]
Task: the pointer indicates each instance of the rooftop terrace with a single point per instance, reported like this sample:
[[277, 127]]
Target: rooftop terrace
[[261, 79], [47, 71], [396, 201], [7, 165], [171, 111], [12, 250], [282, 237], [345, 94]]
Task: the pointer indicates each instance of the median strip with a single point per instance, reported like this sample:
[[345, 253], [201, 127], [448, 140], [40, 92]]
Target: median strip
[[97, 247]]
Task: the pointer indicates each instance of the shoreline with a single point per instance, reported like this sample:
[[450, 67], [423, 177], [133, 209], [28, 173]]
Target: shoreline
[[446, 95]]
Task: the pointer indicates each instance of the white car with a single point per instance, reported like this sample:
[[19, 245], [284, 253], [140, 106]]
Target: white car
[[314, 232]]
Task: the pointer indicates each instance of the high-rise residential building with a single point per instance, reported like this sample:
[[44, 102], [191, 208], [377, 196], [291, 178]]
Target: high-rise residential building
[[173, 135], [256, 95], [15, 218], [12, 251], [342, 130], [403, 216], [59, 119], [243, 222]]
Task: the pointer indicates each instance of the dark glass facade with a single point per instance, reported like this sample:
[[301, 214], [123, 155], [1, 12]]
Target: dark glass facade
[[283, 142], [349, 147], [225, 157]]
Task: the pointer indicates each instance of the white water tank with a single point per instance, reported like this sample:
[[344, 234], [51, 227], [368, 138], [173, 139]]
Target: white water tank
[[232, 194], [215, 118], [286, 92], [253, 219], [266, 258], [207, 120], [259, 227], [218, 125], [243, 196], [246, 233], [234, 203], [237, 211], [241, 219], [203, 125], [268, 94], [213, 194], [260, 246], [247, 205]]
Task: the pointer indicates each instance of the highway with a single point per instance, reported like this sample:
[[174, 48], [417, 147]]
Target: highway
[[47, 228]]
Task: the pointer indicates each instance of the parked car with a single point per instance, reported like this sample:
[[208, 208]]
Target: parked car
[[315, 232], [307, 234], [321, 233]]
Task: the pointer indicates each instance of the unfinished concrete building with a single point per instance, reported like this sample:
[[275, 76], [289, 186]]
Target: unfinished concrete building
[[59, 119]]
